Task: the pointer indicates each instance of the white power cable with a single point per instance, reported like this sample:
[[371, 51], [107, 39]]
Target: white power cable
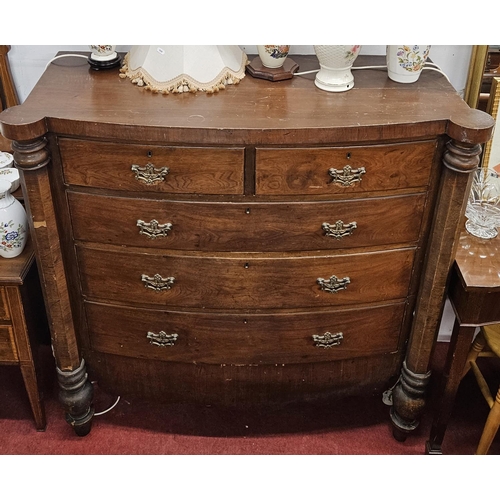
[[64, 55], [108, 409], [431, 66]]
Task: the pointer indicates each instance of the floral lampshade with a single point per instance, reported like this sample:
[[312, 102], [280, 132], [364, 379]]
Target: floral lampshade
[[184, 68]]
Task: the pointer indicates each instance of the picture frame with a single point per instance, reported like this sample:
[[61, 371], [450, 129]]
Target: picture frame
[[491, 155]]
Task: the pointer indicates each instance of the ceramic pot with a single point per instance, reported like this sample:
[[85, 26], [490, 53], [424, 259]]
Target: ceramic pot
[[13, 223], [103, 52], [273, 56], [11, 175], [405, 62], [335, 62], [6, 160]]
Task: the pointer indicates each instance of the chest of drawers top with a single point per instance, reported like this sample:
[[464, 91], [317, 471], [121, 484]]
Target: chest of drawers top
[[255, 111]]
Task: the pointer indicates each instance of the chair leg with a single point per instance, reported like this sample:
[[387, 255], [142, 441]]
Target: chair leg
[[477, 346], [490, 428]]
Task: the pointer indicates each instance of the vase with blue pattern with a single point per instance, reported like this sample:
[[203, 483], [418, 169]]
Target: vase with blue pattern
[[13, 223]]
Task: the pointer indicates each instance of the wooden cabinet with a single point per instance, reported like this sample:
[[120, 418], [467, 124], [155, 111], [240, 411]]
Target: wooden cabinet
[[270, 242], [23, 324]]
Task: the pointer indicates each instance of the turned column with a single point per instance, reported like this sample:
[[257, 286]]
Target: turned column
[[460, 160], [76, 392]]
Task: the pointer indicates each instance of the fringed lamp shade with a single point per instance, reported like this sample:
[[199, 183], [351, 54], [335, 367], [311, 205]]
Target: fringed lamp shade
[[184, 68]]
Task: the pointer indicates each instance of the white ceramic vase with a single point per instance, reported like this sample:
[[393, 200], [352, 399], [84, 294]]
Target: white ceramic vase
[[273, 56], [13, 223], [103, 52], [405, 62], [335, 66]]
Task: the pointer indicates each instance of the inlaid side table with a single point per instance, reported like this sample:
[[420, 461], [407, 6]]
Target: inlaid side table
[[474, 292], [22, 319]]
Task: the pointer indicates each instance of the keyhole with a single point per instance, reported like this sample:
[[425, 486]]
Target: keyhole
[[247, 265], [150, 154], [348, 156], [247, 211]]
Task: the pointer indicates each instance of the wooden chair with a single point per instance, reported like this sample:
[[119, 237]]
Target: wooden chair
[[486, 344], [8, 94]]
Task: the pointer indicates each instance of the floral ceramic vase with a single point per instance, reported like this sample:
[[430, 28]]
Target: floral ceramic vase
[[405, 62], [103, 57], [335, 66], [13, 223], [273, 56]]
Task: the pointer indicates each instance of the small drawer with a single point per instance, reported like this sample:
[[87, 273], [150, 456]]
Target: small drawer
[[125, 167], [4, 305], [281, 171], [8, 350], [241, 227], [244, 281], [244, 339]]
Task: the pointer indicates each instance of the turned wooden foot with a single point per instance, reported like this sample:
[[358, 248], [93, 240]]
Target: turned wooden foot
[[76, 395], [408, 402]]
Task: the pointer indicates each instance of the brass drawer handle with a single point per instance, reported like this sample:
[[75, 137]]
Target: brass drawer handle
[[157, 283], [328, 339], [339, 229], [347, 176], [149, 174], [162, 339], [154, 229], [334, 284]]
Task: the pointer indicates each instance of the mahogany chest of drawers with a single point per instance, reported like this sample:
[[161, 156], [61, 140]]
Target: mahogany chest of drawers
[[270, 242]]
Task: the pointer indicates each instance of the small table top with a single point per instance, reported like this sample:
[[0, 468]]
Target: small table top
[[13, 271], [474, 289], [478, 261]]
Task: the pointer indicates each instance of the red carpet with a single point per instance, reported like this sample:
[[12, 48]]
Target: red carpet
[[354, 426]]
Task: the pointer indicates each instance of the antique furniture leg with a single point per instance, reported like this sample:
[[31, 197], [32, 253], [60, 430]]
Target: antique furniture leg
[[457, 354], [33, 159], [460, 160]]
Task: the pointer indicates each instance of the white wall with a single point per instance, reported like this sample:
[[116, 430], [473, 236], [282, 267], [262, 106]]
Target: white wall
[[29, 61]]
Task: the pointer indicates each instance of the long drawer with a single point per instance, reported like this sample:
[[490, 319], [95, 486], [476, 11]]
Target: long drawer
[[158, 169], [244, 281], [281, 171], [244, 339], [246, 226]]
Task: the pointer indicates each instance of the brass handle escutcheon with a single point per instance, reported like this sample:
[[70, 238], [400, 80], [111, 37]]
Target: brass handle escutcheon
[[157, 283], [339, 229], [162, 339], [154, 229], [149, 174], [334, 284], [328, 340], [346, 177]]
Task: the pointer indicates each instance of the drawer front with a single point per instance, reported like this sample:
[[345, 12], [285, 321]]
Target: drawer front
[[282, 171], [4, 305], [244, 281], [233, 338], [8, 351], [246, 226], [152, 168]]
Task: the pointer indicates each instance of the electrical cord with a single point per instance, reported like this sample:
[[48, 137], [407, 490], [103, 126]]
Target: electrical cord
[[64, 55], [431, 66], [108, 409], [96, 414]]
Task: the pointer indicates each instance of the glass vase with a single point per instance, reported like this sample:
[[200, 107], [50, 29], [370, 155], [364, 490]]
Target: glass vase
[[483, 204]]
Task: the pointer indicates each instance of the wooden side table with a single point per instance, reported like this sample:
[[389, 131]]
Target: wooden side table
[[22, 319], [474, 293]]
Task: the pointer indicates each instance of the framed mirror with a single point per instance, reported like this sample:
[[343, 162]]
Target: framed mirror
[[483, 92]]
